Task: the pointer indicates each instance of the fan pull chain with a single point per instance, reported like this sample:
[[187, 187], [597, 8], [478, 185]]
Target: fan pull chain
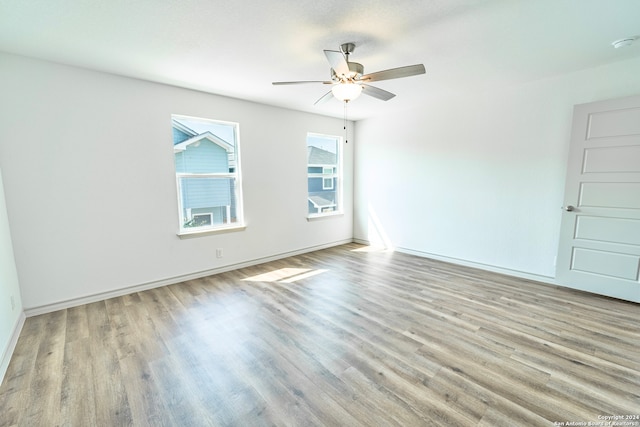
[[346, 141]]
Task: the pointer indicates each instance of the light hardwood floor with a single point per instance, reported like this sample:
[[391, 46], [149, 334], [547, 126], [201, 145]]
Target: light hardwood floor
[[338, 337]]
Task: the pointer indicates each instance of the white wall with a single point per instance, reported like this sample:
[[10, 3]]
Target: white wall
[[478, 177], [11, 316], [89, 178]]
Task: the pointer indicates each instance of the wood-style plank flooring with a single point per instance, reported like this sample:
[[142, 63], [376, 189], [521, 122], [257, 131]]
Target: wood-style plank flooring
[[340, 337]]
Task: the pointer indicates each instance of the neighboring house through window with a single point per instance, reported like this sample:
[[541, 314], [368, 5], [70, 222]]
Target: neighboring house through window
[[207, 173], [324, 181]]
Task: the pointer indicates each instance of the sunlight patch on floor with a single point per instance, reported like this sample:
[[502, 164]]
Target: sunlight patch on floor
[[285, 275], [372, 248], [304, 275]]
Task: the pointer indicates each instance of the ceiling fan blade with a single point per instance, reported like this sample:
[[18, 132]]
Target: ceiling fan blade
[[327, 96], [394, 73], [337, 61], [377, 92], [302, 82]]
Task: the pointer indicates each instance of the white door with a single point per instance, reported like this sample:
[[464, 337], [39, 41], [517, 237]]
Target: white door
[[599, 248]]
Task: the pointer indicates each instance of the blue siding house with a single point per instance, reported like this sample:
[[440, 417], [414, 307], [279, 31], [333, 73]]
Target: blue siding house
[[205, 200], [322, 181]]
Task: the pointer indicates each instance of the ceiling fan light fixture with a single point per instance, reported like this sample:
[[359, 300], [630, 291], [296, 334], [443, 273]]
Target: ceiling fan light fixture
[[346, 91]]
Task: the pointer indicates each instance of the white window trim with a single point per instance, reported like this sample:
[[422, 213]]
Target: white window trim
[[325, 215], [206, 231], [240, 225], [339, 180]]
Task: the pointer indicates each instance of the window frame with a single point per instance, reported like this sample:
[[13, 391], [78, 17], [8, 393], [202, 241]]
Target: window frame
[[336, 176], [236, 175]]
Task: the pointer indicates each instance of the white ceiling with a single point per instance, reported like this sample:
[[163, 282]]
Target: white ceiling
[[237, 48]]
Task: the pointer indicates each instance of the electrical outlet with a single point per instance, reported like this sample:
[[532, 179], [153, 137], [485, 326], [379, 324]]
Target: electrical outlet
[[219, 253]]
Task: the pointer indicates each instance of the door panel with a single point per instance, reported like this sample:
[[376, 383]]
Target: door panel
[[603, 263], [599, 249], [610, 195], [618, 122], [612, 159], [611, 230]]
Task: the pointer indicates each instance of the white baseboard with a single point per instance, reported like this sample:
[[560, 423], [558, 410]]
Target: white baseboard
[[11, 345], [479, 266], [61, 305]]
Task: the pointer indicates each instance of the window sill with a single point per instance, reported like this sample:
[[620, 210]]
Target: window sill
[[318, 217], [210, 231]]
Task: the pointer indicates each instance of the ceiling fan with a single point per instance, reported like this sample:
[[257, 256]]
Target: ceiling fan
[[349, 81]]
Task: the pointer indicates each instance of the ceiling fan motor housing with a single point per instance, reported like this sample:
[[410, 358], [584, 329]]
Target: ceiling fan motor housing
[[355, 70]]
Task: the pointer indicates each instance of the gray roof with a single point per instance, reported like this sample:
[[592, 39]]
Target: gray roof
[[318, 156], [321, 202]]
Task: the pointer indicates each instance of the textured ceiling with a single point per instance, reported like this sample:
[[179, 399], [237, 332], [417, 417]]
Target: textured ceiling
[[237, 48]]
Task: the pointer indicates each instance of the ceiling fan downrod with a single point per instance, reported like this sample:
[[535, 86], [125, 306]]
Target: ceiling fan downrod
[[355, 69]]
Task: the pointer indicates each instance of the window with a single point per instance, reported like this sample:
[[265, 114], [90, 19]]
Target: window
[[327, 178], [201, 220], [207, 166], [324, 180], [327, 183]]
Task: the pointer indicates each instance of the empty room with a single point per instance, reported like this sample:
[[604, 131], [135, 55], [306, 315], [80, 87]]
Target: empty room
[[363, 213]]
